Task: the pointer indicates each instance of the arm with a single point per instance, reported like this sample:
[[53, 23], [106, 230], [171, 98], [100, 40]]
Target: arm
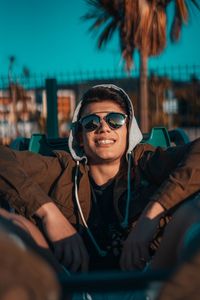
[[183, 180], [67, 243], [135, 253], [25, 179], [21, 176], [180, 172]]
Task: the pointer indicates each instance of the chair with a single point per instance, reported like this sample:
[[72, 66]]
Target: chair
[[158, 136], [40, 143], [178, 136]]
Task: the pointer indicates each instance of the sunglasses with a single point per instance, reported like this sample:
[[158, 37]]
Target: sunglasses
[[114, 120]]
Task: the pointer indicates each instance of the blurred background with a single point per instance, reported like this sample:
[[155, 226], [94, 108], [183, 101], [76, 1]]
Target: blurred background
[[52, 51]]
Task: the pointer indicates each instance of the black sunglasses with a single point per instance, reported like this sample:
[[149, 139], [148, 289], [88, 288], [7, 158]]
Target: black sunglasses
[[114, 120]]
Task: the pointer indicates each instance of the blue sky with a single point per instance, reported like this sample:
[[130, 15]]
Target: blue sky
[[47, 36]]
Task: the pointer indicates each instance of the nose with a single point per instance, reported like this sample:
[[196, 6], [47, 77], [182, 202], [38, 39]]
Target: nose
[[103, 126]]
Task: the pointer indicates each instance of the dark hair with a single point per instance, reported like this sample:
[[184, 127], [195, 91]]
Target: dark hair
[[101, 93]]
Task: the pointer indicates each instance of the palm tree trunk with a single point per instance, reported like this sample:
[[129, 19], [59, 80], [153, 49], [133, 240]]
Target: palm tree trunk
[[14, 110], [143, 101]]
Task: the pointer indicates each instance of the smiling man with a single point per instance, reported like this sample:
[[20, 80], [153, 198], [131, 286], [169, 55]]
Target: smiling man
[[104, 204], [103, 140]]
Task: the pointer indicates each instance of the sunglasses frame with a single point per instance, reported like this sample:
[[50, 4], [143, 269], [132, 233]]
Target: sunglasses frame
[[104, 118]]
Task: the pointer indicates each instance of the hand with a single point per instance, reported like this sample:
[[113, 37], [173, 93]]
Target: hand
[[68, 246], [71, 252], [135, 253]]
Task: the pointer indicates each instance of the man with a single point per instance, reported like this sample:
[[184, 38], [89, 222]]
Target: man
[[104, 204]]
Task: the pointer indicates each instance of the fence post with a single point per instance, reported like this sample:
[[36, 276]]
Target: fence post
[[52, 109]]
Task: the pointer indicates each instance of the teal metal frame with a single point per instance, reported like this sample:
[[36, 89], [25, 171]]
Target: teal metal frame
[[158, 136], [40, 143]]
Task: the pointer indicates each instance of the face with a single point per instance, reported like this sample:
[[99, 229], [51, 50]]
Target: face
[[104, 145]]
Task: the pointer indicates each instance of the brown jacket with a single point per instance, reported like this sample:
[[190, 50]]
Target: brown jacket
[[29, 180]]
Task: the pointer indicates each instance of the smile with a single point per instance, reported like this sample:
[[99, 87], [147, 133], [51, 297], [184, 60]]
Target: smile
[[104, 142]]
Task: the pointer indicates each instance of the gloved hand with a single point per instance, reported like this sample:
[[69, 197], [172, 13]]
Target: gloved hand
[[68, 245], [135, 252]]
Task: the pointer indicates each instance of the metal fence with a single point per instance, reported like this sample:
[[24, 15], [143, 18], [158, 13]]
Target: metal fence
[[182, 73]]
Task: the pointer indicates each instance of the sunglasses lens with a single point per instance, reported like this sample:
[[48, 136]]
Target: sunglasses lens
[[115, 120], [90, 122]]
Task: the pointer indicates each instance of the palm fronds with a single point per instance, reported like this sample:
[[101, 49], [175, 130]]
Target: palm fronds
[[181, 12], [141, 23]]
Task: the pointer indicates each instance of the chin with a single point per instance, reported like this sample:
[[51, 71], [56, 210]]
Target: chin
[[106, 156], [106, 159]]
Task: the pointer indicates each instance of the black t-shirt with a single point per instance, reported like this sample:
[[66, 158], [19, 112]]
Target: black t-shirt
[[105, 228]]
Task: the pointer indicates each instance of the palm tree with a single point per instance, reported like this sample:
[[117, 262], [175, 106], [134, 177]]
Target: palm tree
[[157, 88], [142, 26], [12, 60], [17, 93], [12, 90]]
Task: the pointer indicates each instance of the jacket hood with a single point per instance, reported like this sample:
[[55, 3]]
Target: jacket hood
[[135, 135]]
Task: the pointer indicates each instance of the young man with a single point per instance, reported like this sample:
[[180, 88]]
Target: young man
[[103, 205]]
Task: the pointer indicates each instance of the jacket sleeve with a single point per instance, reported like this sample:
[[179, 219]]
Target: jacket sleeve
[[182, 174], [26, 179]]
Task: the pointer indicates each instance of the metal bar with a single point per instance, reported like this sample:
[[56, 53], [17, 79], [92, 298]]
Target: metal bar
[[111, 281]]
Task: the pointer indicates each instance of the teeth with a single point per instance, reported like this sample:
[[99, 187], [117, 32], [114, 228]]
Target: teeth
[[104, 142]]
